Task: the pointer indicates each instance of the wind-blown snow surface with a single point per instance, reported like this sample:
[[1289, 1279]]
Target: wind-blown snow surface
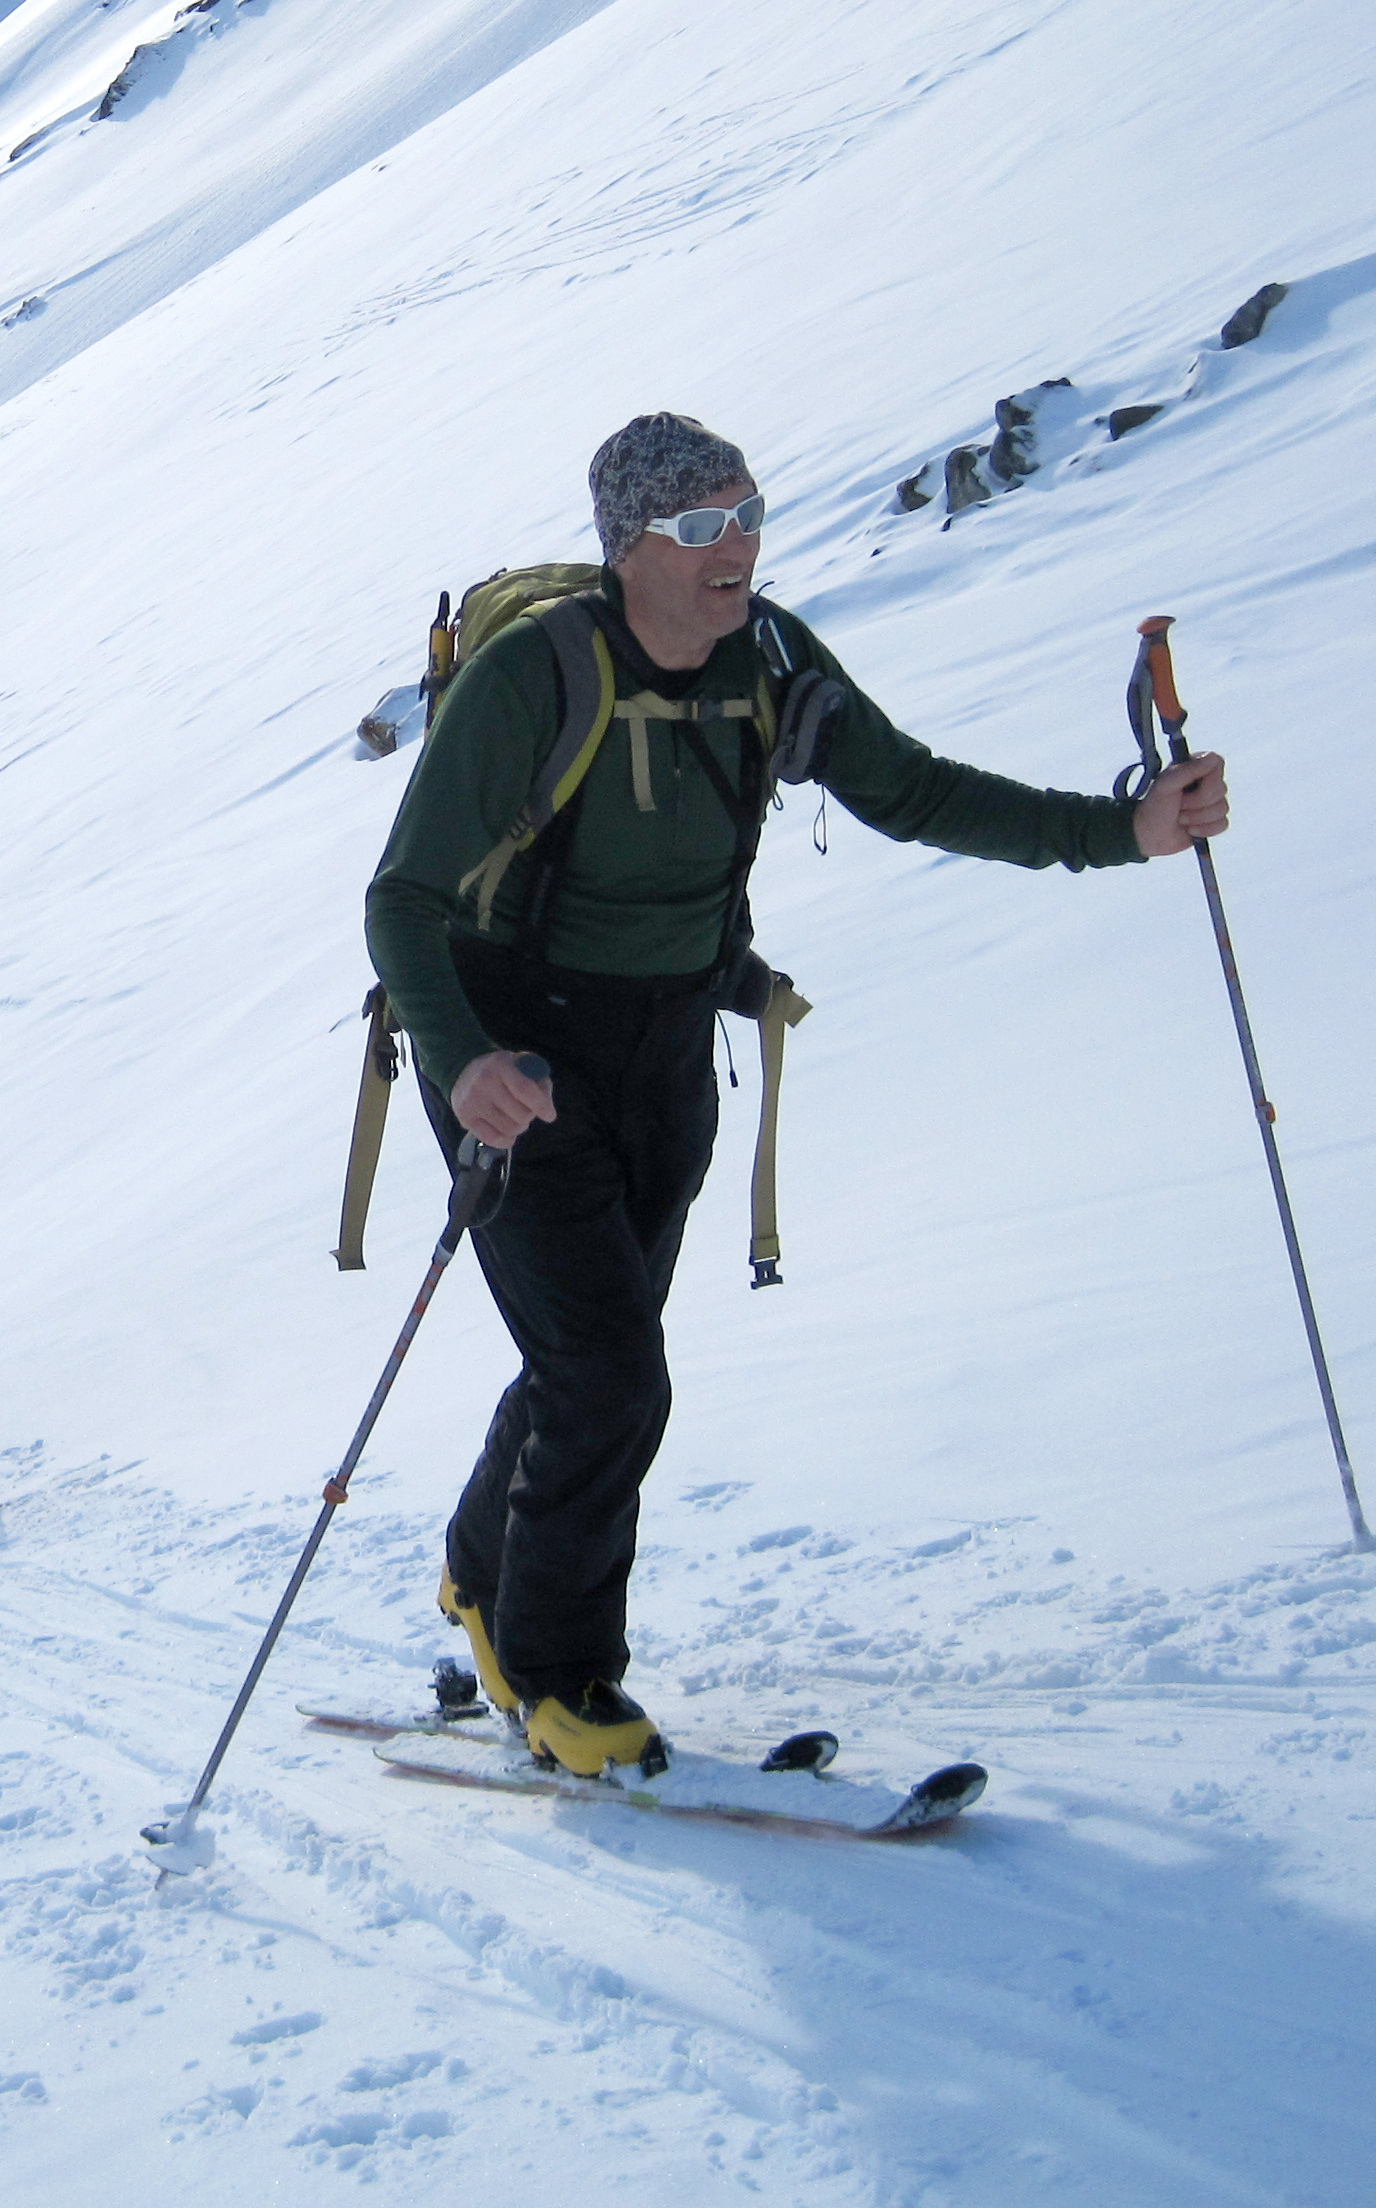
[[1026, 1459]]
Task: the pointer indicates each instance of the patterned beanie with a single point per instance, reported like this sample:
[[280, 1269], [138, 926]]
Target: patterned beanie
[[658, 465]]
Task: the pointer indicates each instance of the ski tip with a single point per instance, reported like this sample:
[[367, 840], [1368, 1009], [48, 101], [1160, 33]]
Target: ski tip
[[941, 1794]]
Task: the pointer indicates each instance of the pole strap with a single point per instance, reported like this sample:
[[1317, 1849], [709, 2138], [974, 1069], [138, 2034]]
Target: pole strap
[[384, 1054]]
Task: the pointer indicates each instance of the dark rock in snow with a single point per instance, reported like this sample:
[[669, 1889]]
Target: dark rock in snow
[[1124, 418], [121, 86], [1040, 426], [973, 474], [920, 489], [967, 483], [1250, 319], [1013, 453], [380, 736], [156, 65]]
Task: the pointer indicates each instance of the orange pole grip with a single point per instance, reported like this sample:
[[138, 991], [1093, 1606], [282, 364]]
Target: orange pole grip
[[1163, 690]]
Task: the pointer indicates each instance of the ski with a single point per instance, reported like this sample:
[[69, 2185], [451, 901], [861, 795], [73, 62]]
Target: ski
[[456, 1703], [779, 1795], [383, 1724], [462, 1741]]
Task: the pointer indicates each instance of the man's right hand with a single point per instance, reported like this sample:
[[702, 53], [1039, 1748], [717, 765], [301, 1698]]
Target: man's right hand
[[495, 1101]]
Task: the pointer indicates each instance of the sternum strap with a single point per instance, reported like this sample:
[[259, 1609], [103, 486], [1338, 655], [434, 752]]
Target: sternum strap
[[646, 706]]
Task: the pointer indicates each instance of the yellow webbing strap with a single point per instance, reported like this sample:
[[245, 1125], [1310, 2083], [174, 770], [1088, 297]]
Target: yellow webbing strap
[[646, 706], [488, 872], [765, 718], [784, 1009], [382, 1061], [637, 713]]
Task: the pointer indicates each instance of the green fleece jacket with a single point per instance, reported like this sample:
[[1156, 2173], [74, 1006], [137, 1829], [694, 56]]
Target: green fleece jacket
[[645, 891]]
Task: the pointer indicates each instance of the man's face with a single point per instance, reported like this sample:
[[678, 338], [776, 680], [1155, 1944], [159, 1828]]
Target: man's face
[[704, 591]]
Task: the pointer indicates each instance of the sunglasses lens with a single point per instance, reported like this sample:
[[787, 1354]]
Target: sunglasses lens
[[704, 525], [708, 524]]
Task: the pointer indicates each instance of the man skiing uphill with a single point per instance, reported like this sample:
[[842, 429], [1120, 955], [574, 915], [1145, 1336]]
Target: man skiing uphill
[[602, 943]]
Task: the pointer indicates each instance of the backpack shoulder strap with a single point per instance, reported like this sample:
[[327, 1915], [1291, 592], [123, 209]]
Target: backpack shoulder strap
[[589, 685], [806, 704], [589, 680]]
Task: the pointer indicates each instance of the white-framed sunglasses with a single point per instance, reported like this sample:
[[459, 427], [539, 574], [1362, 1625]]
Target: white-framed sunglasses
[[703, 525]]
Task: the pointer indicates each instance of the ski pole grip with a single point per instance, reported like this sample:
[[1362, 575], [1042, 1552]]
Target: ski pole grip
[[1163, 691], [533, 1066]]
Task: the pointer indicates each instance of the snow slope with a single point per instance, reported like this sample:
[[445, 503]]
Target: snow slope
[[144, 140], [1026, 1459]]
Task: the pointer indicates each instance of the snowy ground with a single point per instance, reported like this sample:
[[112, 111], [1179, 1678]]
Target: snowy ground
[[1026, 1459]]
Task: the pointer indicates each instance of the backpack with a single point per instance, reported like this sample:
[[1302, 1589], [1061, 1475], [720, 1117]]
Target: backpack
[[793, 713]]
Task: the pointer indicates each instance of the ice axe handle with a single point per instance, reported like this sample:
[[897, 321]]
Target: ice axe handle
[[1172, 712]]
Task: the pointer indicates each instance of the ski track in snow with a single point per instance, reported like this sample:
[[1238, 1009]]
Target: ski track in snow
[[774, 2012], [362, 84]]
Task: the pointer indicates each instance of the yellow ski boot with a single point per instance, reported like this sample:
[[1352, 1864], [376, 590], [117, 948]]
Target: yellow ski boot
[[600, 1726], [499, 1694]]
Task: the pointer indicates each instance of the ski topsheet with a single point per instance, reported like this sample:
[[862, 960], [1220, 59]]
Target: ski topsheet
[[697, 1785]]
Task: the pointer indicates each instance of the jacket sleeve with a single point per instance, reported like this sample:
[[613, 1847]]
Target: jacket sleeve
[[897, 785], [498, 719]]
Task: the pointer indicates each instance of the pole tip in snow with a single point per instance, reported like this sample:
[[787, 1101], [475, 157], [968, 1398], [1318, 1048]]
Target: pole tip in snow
[[177, 1846]]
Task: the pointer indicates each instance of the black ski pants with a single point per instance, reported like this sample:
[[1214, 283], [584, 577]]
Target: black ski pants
[[579, 1259]]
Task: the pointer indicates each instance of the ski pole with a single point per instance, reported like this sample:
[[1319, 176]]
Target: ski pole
[[1153, 684], [476, 1162]]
